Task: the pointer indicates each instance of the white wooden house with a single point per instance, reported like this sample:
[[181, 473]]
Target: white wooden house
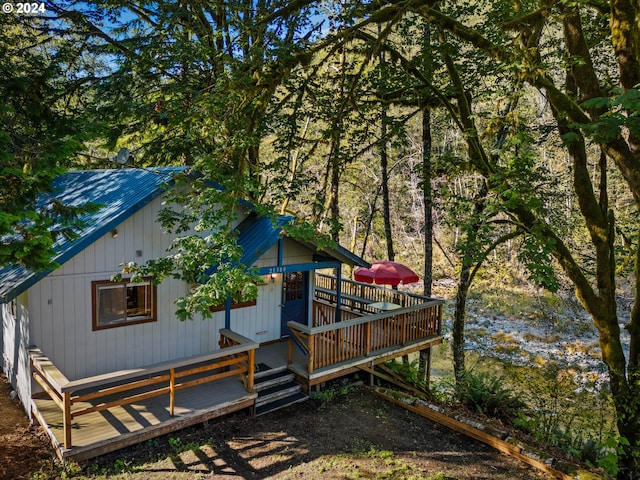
[[59, 311], [71, 330]]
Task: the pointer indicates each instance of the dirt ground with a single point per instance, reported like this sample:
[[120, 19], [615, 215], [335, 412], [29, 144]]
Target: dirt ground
[[23, 449], [355, 435]]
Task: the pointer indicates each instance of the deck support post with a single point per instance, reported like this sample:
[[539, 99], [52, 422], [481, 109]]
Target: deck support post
[[428, 379], [424, 365], [372, 378], [66, 421], [172, 390]]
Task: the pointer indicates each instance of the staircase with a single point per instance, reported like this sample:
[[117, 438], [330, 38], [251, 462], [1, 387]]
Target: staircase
[[276, 389]]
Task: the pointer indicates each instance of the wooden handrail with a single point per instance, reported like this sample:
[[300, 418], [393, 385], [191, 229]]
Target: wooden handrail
[[121, 375], [362, 319], [236, 357], [49, 372], [359, 291]]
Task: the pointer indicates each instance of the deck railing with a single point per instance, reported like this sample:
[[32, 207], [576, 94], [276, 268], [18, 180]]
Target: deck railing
[[357, 296], [335, 342], [324, 313], [235, 357]]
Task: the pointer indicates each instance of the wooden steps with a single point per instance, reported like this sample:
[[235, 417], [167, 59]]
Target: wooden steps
[[276, 389]]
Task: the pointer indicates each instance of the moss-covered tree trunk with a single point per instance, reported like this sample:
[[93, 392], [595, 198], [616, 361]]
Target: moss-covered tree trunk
[[470, 257]]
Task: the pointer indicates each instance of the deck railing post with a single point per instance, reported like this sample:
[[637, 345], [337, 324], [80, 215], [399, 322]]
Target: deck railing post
[[172, 390], [290, 352], [252, 357], [367, 338], [66, 422], [312, 353]]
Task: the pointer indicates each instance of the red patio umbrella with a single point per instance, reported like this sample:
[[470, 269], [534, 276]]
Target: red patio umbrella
[[385, 272]]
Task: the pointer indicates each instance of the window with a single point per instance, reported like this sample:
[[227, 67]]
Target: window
[[293, 285], [116, 304]]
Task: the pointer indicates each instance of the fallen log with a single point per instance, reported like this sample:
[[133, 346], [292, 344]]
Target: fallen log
[[503, 445]]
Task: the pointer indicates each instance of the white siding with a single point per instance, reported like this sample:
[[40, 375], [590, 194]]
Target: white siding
[[15, 341], [296, 253], [260, 322], [61, 323]]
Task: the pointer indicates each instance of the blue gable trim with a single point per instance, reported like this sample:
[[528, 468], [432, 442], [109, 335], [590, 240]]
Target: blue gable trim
[[299, 267], [258, 234]]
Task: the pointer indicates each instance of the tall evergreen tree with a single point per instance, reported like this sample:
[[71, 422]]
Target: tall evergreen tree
[[189, 83], [42, 128]]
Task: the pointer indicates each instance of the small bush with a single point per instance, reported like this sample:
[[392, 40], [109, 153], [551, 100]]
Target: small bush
[[443, 390], [410, 372], [330, 394], [590, 451], [488, 394]]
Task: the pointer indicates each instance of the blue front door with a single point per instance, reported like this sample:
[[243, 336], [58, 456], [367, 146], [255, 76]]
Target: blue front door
[[295, 296]]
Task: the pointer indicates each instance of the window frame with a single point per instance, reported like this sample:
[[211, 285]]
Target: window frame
[[95, 286], [234, 305]]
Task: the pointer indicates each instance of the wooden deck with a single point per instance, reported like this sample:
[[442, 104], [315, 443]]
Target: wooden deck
[[348, 332], [299, 364], [118, 427], [335, 348], [92, 416], [105, 431]]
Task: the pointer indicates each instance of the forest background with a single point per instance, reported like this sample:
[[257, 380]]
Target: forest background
[[462, 138]]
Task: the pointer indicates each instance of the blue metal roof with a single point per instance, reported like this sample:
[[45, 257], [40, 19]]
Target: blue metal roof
[[121, 193], [258, 234]]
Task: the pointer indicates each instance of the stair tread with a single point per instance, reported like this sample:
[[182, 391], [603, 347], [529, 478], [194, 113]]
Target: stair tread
[[269, 372], [281, 403], [275, 379], [275, 394], [278, 388]]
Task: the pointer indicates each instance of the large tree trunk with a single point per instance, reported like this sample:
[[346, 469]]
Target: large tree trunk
[[457, 331], [625, 36], [469, 258], [384, 167], [427, 56], [428, 201], [423, 362], [334, 193], [581, 84], [386, 205]]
